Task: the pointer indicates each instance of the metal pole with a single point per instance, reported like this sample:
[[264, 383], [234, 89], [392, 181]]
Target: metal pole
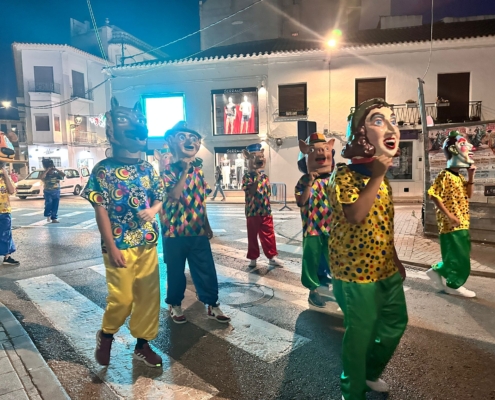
[[426, 141]]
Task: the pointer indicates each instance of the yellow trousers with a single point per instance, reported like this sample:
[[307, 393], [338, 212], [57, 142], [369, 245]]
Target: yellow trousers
[[134, 291]]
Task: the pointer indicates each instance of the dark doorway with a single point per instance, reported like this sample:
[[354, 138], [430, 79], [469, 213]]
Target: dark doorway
[[453, 88]]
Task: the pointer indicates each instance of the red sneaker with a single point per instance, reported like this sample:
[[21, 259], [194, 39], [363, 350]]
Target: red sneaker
[[148, 356], [217, 314], [177, 315], [103, 347]]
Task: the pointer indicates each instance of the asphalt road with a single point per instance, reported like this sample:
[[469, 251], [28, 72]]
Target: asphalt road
[[277, 347]]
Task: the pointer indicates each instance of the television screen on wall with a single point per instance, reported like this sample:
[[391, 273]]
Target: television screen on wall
[[163, 112], [235, 111]]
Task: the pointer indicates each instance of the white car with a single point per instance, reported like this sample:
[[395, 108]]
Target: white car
[[73, 183]]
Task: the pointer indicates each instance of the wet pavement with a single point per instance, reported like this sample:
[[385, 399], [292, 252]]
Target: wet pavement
[[277, 346]]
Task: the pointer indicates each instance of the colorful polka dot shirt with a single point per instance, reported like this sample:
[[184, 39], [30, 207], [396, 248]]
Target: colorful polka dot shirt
[[450, 188], [187, 216], [364, 252], [316, 213], [259, 203]]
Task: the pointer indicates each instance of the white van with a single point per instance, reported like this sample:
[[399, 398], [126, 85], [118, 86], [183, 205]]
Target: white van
[[73, 183]]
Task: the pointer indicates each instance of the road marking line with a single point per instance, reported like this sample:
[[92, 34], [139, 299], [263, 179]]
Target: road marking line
[[45, 222], [84, 225], [288, 248], [219, 230], [77, 318], [33, 213], [247, 332]]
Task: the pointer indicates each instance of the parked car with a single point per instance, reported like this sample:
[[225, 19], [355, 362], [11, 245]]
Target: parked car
[[73, 183]]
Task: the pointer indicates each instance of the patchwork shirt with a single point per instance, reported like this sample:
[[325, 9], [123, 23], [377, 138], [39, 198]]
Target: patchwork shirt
[[4, 197], [316, 213], [186, 216], [363, 252], [124, 190], [259, 203], [450, 188]]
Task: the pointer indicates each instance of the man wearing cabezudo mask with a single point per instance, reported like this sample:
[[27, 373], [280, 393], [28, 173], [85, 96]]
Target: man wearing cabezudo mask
[[126, 194], [367, 274]]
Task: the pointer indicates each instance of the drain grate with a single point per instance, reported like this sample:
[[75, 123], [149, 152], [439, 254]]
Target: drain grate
[[243, 294]]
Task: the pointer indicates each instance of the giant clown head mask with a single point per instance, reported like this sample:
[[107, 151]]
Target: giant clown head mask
[[7, 152], [126, 130], [458, 151], [372, 132], [255, 156], [184, 143], [316, 154]]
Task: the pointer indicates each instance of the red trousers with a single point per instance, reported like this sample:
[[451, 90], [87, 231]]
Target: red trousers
[[262, 226]]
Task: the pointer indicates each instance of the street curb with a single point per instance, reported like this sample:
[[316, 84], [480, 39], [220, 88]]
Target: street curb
[[484, 274], [19, 345]]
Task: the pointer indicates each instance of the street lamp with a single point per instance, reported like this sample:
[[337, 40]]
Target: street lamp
[[6, 104], [334, 38]]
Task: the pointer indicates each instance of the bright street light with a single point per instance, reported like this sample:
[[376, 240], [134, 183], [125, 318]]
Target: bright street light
[[6, 104], [332, 43]]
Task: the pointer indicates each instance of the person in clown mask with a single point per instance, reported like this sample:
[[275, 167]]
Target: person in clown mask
[[316, 162], [450, 193], [367, 275], [126, 194]]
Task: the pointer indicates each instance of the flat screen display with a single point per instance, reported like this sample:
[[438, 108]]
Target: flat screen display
[[162, 113]]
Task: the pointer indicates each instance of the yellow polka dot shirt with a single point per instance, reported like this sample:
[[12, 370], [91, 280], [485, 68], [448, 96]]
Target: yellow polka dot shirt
[[450, 188], [364, 252]]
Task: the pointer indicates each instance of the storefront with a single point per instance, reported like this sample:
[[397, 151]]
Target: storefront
[[232, 165]]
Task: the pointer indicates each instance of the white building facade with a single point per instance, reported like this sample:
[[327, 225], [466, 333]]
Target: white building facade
[[293, 86]]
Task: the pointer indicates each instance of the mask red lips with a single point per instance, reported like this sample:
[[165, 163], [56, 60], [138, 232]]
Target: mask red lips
[[390, 143], [321, 160]]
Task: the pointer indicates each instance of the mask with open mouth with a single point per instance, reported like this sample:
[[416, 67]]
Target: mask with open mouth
[[317, 155], [184, 143], [126, 130], [372, 132], [458, 151], [255, 156]]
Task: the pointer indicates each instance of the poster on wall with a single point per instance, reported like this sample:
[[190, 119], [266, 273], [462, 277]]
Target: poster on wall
[[235, 111], [482, 137]]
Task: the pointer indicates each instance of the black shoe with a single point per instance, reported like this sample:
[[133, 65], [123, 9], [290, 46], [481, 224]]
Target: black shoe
[[10, 261]]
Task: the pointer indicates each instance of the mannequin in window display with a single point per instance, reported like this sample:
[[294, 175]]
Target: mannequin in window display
[[246, 109], [240, 167], [230, 115], [226, 170]]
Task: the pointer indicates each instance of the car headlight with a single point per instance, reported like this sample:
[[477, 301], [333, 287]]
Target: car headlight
[[36, 184]]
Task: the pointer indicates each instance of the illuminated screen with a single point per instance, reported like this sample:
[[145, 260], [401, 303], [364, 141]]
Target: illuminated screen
[[162, 113]]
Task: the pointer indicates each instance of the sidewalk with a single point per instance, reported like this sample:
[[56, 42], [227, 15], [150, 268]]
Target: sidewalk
[[412, 247], [24, 374]]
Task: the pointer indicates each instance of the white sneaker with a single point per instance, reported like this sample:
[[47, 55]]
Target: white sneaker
[[378, 386], [217, 314], [462, 291], [48, 219], [177, 315], [275, 262], [436, 278], [252, 263]]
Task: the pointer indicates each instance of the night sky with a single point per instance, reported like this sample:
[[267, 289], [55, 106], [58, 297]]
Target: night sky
[[157, 22]]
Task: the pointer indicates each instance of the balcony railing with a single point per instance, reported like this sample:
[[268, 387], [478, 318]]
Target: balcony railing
[[44, 87], [82, 95], [409, 114], [87, 138]]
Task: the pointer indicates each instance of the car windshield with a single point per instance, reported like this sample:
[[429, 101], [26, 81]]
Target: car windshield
[[34, 175]]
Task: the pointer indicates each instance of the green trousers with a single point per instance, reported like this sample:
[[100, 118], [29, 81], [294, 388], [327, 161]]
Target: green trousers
[[314, 247], [375, 317], [455, 266]]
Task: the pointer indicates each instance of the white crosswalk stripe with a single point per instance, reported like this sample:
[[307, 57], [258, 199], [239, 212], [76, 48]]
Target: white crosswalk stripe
[[84, 225], [33, 213], [45, 222], [288, 248], [77, 318]]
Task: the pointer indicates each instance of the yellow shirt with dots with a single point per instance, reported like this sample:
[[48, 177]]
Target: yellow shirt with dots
[[363, 252], [451, 189]]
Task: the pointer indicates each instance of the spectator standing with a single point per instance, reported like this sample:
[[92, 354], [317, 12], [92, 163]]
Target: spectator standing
[[7, 246], [51, 189], [218, 183]]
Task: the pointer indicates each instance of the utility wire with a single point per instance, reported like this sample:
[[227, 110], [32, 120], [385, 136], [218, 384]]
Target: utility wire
[[95, 27], [431, 42], [200, 30]]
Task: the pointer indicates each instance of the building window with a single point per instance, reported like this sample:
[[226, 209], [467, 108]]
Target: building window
[[3, 128], [402, 166], [42, 123], [232, 164], [453, 97], [163, 112], [43, 79], [56, 123], [293, 100], [369, 89], [78, 89], [57, 161], [235, 111]]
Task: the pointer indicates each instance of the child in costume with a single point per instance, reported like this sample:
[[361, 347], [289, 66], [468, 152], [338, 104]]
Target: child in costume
[[367, 274], [259, 219], [126, 194], [316, 162], [186, 230], [51, 178], [7, 246], [450, 193]]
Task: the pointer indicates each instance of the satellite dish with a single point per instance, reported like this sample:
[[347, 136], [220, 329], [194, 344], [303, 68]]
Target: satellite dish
[[108, 152]]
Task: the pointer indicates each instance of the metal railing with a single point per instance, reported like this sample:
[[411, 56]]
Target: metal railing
[[87, 138], [44, 87], [82, 95], [279, 195], [409, 114]]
